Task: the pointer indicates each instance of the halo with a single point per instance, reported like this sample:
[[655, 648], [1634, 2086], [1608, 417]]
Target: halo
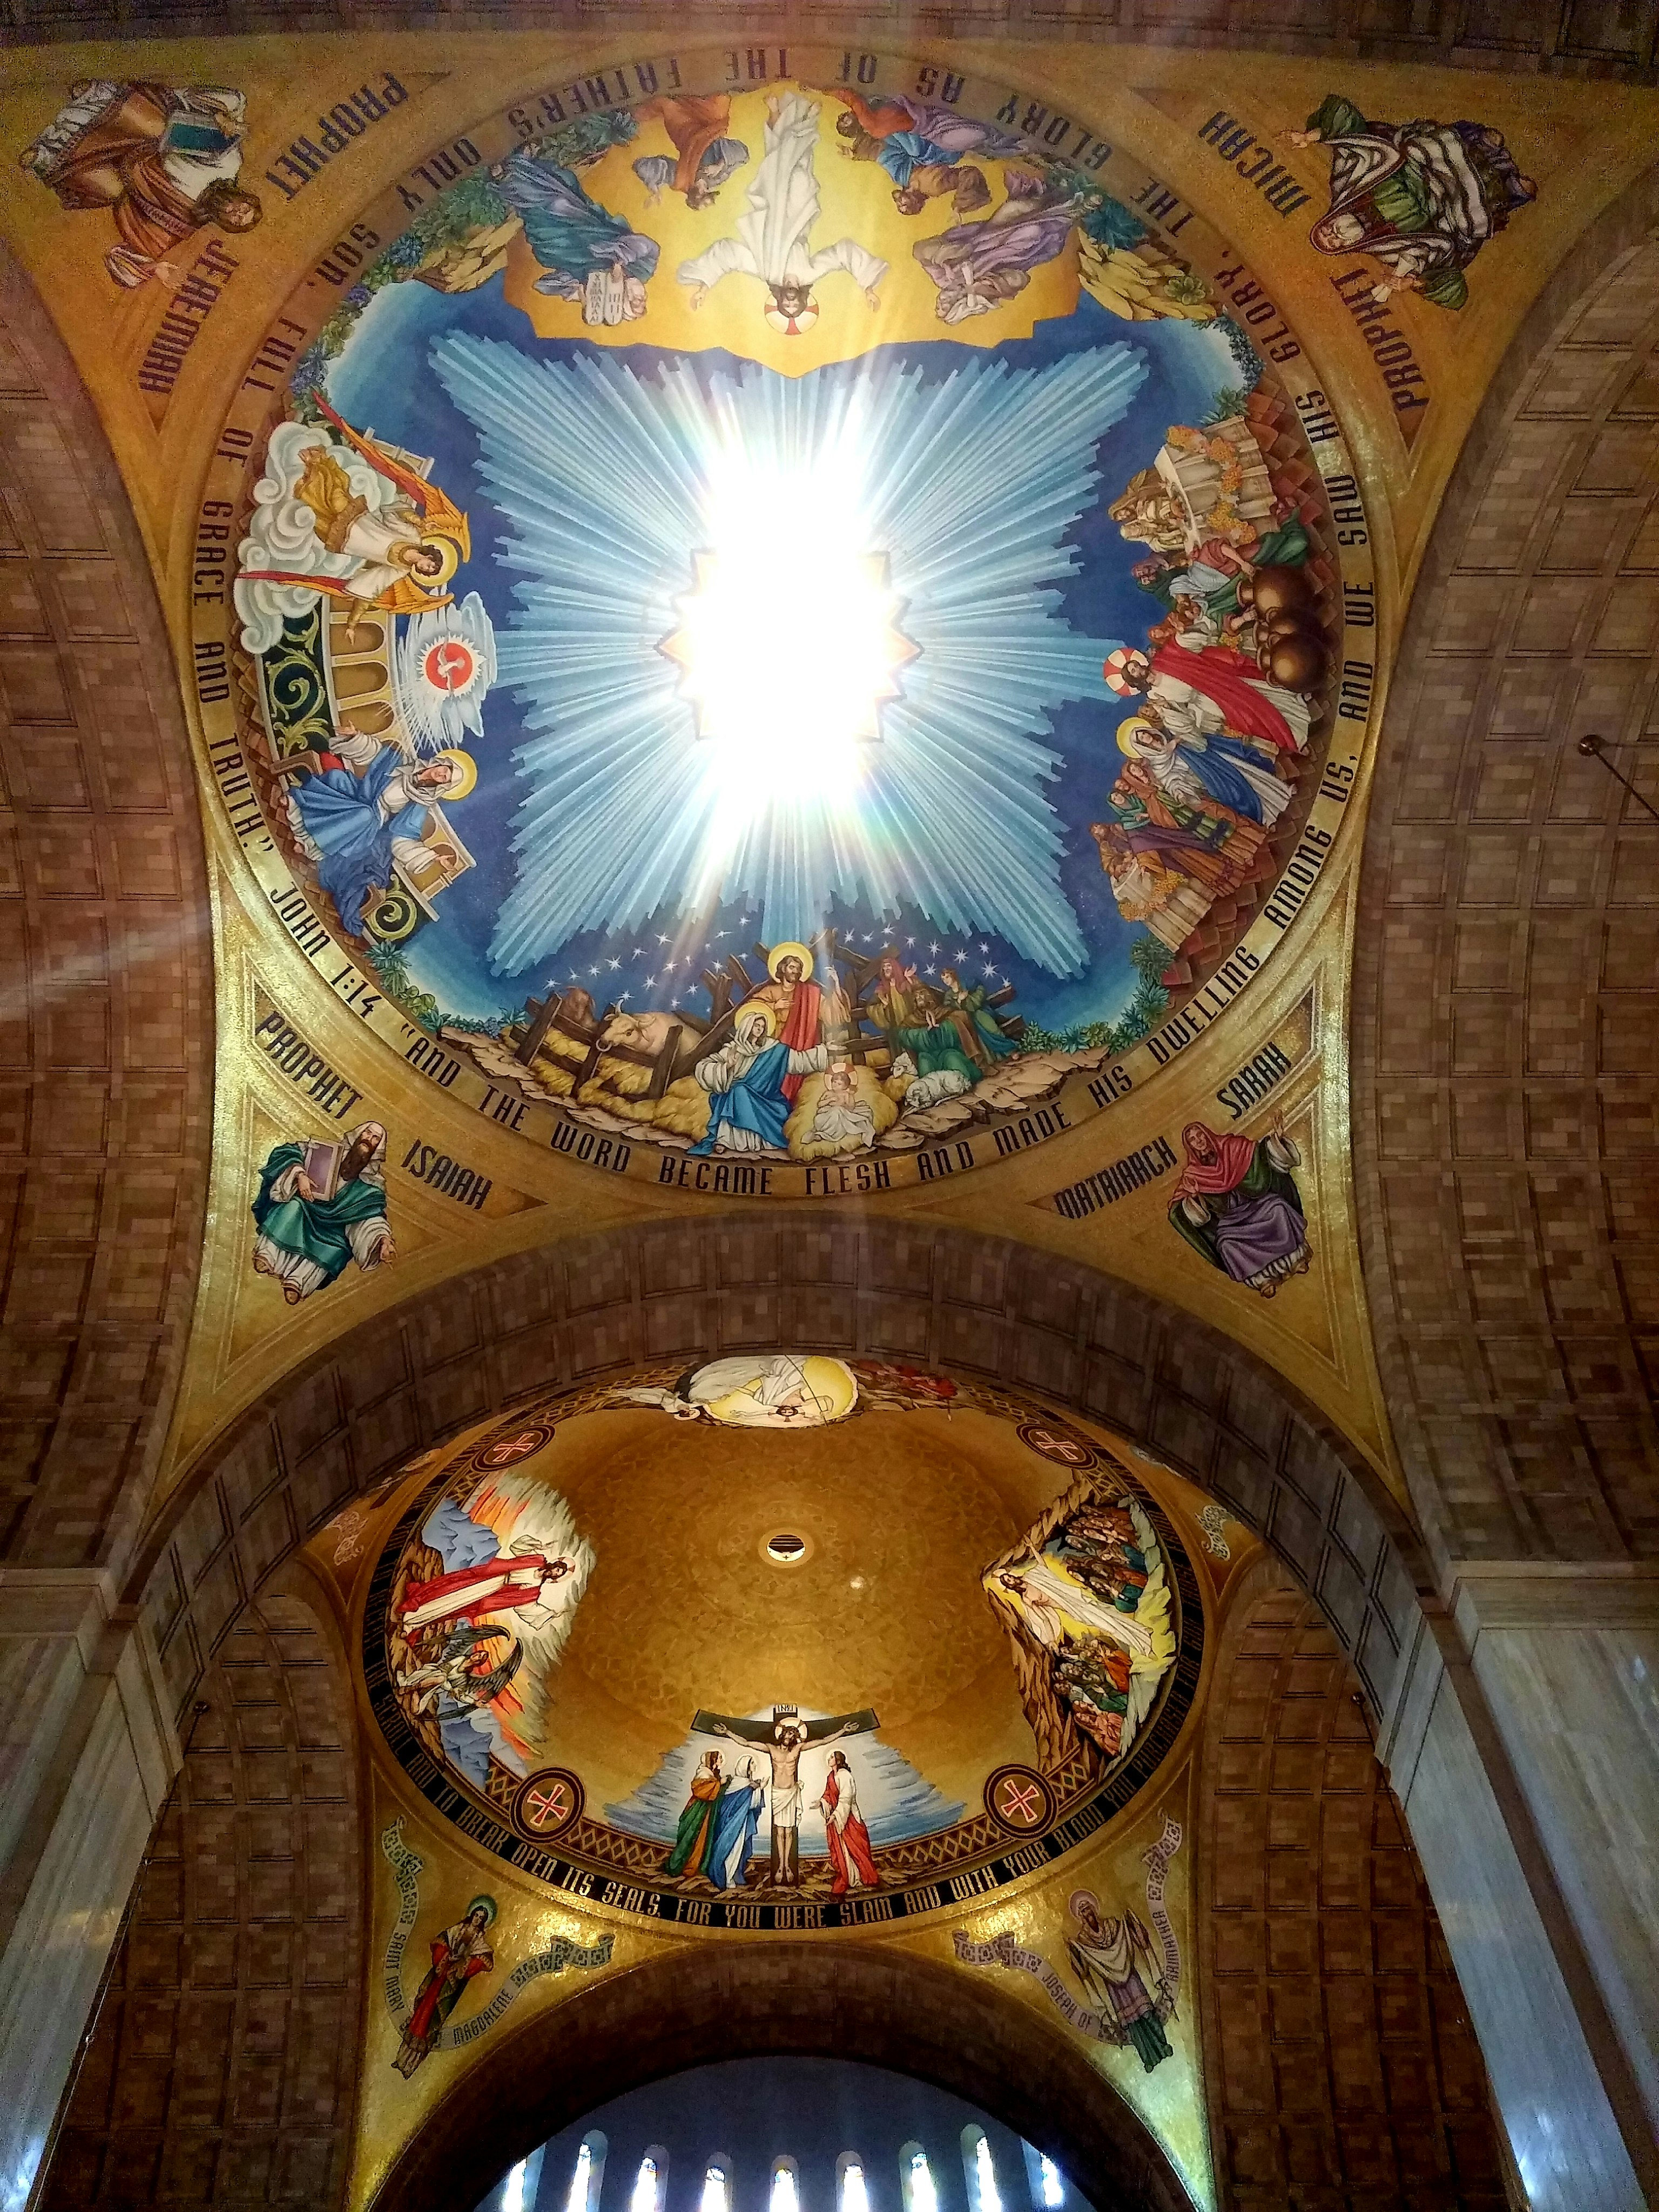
[[449, 554], [468, 767], [489, 1905], [780, 953], [756, 1007], [1115, 668], [1081, 1897], [795, 325], [1128, 728]]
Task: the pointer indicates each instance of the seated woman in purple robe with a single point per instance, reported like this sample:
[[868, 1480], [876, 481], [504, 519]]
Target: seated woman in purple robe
[[1235, 1203]]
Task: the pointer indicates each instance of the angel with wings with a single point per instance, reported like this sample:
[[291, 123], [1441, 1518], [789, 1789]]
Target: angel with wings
[[364, 527], [514, 1570]]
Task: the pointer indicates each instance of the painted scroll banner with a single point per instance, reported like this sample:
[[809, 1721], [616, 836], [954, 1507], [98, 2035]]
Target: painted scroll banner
[[406, 1867]]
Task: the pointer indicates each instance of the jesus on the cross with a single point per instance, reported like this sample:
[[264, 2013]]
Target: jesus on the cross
[[782, 1740], [774, 239]]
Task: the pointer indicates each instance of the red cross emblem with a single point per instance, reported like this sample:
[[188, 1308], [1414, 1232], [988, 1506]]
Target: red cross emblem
[[546, 1803], [543, 1807], [1059, 1445], [508, 1451], [1017, 1798], [1021, 1801]]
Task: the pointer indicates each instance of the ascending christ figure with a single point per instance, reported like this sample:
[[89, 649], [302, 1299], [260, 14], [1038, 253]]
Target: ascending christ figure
[[773, 235]]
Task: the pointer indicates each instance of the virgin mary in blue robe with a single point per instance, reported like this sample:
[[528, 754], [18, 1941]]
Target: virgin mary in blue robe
[[343, 818], [1219, 767], [731, 1844], [748, 1109]]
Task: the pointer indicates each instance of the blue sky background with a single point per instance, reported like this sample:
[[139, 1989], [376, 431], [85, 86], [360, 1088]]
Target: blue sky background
[[384, 380]]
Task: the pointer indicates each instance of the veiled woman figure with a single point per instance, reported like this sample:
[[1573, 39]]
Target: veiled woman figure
[[458, 1954], [1235, 1202], [689, 1856]]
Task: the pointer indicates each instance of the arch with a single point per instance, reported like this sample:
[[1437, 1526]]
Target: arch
[[1339, 2053], [222, 2066], [569, 1312], [106, 951], [1506, 1041], [917, 2016]]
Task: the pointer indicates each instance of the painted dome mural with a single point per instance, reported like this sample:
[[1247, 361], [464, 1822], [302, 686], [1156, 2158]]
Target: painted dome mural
[[667, 1644], [790, 636]]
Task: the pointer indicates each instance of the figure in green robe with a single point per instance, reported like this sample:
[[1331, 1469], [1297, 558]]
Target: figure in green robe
[[1421, 198], [691, 1839], [970, 1012], [308, 1232], [937, 1050]]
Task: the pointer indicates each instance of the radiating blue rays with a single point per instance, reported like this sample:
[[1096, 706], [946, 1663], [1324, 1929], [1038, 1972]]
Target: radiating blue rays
[[968, 485]]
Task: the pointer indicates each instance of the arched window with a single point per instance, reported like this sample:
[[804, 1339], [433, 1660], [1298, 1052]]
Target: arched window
[[587, 2175], [978, 2172], [786, 2185], [1045, 2180], [650, 2182], [852, 2194], [716, 2184], [916, 2184]]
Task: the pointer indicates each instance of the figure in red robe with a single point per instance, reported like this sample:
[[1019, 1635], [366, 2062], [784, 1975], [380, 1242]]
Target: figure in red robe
[[458, 1954], [1197, 687], [849, 1839], [796, 1003], [495, 1585]]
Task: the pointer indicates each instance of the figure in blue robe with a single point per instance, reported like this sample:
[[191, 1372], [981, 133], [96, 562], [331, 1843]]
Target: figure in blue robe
[[747, 1108], [1220, 766], [358, 821], [571, 235], [737, 1817]]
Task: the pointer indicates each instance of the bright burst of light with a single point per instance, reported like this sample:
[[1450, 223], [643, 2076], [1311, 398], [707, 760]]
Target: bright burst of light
[[789, 640], [692, 727], [924, 2198], [1054, 2188], [714, 2195], [854, 2196], [985, 2177], [577, 2200], [645, 2187], [785, 2195]]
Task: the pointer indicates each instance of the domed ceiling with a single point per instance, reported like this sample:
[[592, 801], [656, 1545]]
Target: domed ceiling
[[786, 628], [782, 1640]]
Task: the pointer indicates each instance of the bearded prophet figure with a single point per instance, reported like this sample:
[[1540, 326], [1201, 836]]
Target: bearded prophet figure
[[163, 158], [305, 1239], [459, 1955], [1106, 1955], [978, 265], [1421, 198], [774, 237], [1235, 1203]]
